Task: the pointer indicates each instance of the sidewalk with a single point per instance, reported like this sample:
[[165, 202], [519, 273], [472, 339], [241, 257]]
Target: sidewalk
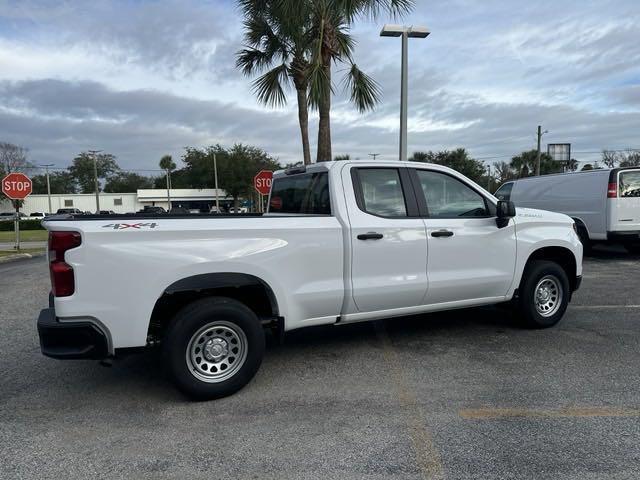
[[10, 245]]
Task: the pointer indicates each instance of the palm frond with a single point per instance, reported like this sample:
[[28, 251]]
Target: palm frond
[[364, 91], [251, 60], [269, 88], [373, 9], [345, 44]]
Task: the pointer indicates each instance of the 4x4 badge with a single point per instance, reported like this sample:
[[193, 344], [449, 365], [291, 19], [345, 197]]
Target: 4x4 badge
[[123, 226]]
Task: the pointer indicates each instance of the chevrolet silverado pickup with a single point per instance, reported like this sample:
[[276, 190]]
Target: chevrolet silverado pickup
[[341, 242]]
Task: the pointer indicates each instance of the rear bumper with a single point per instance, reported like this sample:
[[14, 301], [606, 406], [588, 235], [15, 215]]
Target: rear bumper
[[631, 236], [70, 340]]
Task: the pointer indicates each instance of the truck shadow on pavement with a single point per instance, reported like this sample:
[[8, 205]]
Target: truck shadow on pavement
[[141, 375]]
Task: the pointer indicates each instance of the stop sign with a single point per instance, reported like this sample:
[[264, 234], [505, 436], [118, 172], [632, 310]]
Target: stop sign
[[262, 182], [16, 186]]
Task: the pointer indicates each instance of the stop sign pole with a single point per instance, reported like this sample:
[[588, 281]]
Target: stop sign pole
[[262, 184], [17, 186]]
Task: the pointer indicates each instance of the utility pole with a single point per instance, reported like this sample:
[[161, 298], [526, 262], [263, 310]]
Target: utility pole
[[374, 155], [215, 176], [95, 177], [489, 178], [46, 166], [538, 154]]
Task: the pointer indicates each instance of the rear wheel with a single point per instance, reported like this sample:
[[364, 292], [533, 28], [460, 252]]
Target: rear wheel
[[213, 347], [543, 294], [632, 247]]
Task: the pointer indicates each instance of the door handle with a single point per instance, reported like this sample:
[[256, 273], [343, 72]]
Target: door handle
[[442, 233], [370, 236]]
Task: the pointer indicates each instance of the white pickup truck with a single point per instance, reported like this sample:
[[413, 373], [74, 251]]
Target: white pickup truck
[[342, 242]]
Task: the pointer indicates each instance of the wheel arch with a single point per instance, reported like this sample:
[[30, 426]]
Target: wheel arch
[[248, 289], [562, 256], [581, 224]]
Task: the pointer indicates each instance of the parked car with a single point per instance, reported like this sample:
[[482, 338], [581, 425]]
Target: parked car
[[605, 204], [69, 211], [152, 209], [238, 210], [107, 212], [37, 216], [12, 216], [342, 242]]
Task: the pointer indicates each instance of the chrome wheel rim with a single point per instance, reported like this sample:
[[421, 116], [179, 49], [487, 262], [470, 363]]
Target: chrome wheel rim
[[548, 296], [217, 351]]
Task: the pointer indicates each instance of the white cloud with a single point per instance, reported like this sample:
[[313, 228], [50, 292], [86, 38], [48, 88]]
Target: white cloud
[[145, 78]]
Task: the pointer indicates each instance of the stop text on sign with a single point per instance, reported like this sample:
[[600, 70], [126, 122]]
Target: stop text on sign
[[17, 186]]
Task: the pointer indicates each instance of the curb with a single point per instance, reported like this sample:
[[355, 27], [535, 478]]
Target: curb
[[20, 256]]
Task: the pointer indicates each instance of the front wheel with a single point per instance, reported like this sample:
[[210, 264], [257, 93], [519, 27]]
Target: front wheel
[[544, 294], [213, 347]]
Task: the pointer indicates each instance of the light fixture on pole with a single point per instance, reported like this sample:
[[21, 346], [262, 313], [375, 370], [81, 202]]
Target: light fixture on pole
[[46, 166], [405, 33], [374, 155]]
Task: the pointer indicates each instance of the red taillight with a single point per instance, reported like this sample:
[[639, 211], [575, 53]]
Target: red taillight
[[612, 191], [62, 279]]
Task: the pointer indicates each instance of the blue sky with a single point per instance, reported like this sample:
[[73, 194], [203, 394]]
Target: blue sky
[[142, 79]]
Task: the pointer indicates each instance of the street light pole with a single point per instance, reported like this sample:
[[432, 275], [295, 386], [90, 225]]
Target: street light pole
[[374, 155], [538, 154], [405, 33], [168, 190], [46, 166], [95, 177]]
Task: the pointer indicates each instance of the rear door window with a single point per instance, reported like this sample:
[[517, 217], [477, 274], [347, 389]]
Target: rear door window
[[303, 193], [380, 192], [629, 184]]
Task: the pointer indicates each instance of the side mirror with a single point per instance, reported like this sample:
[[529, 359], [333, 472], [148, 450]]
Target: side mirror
[[505, 210]]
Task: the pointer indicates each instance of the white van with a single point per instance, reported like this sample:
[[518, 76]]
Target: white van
[[604, 203]]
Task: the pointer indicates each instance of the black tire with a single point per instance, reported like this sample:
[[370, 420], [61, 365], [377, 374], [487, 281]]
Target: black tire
[[632, 247], [526, 307], [218, 320]]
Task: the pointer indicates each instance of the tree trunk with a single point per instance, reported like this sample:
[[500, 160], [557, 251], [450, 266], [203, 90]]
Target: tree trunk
[[324, 125], [303, 119]]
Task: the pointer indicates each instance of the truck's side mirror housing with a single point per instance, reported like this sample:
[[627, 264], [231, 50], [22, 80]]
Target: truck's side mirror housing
[[505, 210]]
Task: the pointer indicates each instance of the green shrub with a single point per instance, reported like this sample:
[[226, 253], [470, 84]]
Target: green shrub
[[7, 225]]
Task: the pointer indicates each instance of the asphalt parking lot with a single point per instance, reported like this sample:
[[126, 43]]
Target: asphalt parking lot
[[461, 395]]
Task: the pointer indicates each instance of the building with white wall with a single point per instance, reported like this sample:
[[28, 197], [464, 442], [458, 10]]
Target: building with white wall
[[189, 198]]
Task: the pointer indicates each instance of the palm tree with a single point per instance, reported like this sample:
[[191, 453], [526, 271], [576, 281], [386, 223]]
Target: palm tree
[[167, 163], [280, 44], [306, 37], [332, 42]]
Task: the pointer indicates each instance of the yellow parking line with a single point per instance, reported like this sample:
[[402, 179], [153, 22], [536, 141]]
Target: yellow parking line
[[427, 455], [569, 412]]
